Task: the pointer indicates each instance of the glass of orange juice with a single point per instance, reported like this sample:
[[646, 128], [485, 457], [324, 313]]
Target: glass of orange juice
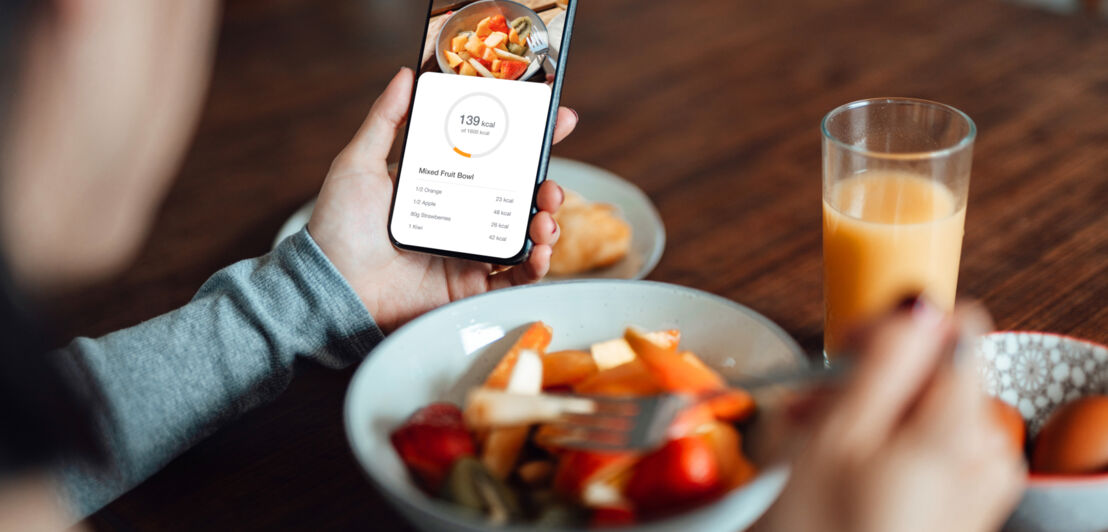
[[895, 181]]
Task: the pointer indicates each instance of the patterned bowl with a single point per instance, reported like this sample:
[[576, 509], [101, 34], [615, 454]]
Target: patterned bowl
[[1038, 372]]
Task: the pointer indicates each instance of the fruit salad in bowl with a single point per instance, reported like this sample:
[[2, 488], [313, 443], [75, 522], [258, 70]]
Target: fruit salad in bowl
[[411, 427], [520, 472], [490, 39]]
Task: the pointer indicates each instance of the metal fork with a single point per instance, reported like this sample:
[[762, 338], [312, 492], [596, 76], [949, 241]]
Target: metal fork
[[615, 423], [538, 45], [641, 423]]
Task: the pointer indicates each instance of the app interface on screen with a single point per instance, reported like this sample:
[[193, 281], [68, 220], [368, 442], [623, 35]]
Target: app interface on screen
[[475, 133]]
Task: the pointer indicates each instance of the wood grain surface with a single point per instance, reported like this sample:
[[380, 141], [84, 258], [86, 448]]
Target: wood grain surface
[[712, 107]]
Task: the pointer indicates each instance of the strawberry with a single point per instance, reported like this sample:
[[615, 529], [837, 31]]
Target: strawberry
[[512, 70], [499, 23], [683, 473], [578, 469], [431, 441], [612, 516]]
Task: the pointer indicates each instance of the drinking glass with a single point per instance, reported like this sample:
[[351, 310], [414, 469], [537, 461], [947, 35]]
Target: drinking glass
[[895, 182]]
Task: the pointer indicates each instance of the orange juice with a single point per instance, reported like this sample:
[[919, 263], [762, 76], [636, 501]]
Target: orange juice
[[886, 235]]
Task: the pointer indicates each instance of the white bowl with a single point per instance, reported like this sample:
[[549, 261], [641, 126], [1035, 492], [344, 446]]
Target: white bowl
[[1037, 373], [442, 354]]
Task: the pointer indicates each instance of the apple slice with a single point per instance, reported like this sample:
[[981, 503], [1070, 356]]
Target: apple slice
[[611, 353], [496, 39], [509, 55], [630, 379]]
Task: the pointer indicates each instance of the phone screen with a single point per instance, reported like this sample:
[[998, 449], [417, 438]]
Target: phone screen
[[479, 128]]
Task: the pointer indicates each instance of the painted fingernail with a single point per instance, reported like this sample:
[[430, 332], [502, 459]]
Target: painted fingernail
[[909, 303], [921, 310], [928, 315], [555, 231], [576, 116]]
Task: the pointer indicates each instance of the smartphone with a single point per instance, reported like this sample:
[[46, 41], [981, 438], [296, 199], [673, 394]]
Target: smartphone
[[480, 127]]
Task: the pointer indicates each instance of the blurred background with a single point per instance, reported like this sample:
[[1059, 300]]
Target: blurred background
[[712, 107]]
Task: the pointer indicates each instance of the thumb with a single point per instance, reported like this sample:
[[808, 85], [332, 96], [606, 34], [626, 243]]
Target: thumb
[[374, 139], [901, 358]]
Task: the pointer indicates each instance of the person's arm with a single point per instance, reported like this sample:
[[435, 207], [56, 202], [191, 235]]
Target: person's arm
[[170, 381], [174, 379]]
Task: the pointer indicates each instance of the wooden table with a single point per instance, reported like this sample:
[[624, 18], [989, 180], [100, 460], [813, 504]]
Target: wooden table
[[712, 107]]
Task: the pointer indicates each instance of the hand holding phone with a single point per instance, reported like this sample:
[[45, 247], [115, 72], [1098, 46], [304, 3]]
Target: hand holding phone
[[479, 130], [348, 224]]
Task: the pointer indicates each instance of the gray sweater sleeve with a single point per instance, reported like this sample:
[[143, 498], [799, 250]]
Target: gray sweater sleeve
[[168, 382]]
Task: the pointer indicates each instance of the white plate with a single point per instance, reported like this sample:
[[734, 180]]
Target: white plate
[[447, 351], [648, 234], [648, 238], [554, 31]]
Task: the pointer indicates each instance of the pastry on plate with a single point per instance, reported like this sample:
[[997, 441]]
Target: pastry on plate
[[593, 236]]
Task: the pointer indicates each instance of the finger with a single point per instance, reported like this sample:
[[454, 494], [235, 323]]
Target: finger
[[951, 410], [953, 403], [536, 267], [973, 321], [550, 197], [567, 121], [532, 270], [899, 360], [993, 468], [374, 138], [1004, 485], [544, 230]]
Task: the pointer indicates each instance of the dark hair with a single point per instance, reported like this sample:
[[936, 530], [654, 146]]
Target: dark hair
[[48, 411], [45, 414], [15, 17]]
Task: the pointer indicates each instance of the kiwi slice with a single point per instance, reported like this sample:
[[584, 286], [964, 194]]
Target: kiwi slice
[[522, 25], [560, 515], [470, 485]]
